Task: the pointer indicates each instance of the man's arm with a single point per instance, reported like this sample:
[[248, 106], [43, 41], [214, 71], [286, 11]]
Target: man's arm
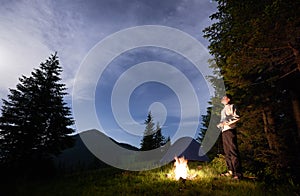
[[234, 117]]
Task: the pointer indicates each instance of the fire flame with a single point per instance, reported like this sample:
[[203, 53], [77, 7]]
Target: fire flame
[[181, 168]]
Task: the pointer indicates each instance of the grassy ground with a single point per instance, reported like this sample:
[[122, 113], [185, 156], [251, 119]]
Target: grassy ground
[[110, 181]]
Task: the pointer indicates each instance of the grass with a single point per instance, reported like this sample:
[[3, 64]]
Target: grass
[[111, 181]]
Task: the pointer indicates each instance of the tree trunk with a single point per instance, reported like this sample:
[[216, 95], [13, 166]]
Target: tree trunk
[[296, 110], [269, 128]]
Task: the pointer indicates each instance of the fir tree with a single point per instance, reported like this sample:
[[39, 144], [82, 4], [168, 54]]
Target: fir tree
[[147, 141], [153, 138], [159, 139], [35, 122]]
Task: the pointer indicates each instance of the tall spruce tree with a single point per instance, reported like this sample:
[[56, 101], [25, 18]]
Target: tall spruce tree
[[35, 122]]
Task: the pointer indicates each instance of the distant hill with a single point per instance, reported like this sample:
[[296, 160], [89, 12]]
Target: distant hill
[[79, 157], [187, 147]]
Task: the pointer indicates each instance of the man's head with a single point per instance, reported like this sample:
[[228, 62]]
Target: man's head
[[226, 99]]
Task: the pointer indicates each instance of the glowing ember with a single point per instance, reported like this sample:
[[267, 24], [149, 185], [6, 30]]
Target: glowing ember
[[181, 168]]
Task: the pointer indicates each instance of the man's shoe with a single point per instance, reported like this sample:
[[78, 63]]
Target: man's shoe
[[236, 177], [227, 174]]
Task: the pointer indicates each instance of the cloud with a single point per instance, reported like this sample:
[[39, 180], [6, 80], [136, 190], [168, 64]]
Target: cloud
[[21, 47], [32, 30]]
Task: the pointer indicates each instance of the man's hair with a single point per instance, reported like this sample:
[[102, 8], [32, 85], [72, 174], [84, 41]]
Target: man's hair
[[229, 96]]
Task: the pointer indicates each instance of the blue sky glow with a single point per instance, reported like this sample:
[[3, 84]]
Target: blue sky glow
[[32, 30]]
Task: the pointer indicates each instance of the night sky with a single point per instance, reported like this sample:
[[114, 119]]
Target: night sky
[[32, 30]]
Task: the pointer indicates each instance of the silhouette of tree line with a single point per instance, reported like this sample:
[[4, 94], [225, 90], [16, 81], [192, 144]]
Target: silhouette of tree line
[[255, 46]]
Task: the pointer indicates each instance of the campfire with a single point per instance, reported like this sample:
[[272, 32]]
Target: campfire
[[181, 170]]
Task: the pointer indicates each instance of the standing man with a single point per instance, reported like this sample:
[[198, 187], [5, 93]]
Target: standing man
[[227, 125]]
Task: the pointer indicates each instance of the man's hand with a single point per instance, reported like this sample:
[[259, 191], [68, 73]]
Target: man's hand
[[221, 125]]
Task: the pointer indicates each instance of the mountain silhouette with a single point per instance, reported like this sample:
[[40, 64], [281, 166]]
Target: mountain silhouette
[[187, 147], [79, 157]]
